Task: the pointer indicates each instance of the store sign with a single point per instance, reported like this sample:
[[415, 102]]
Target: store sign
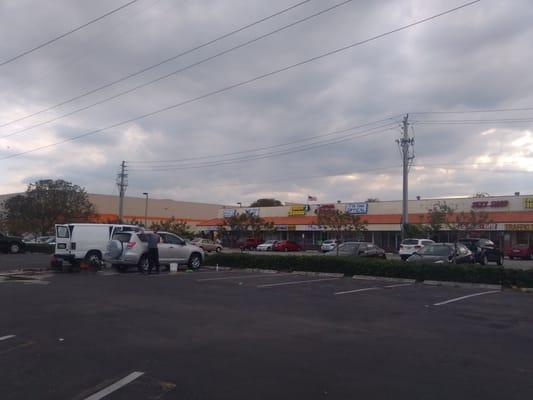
[[325, 208], [519, 227], [490, 204], [282, 227], [314, 228], [252, 211], [228, 213], [298, 210], [357, 208], [528, 202]]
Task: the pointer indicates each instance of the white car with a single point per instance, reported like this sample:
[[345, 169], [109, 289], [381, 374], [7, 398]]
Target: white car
[[329, 245], [266, 246], [410, 246]]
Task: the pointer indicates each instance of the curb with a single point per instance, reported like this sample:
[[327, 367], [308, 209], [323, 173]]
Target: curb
[[522, 289], [462, 285], [265, 271], [383, 278], [214, 268], [324, 274]]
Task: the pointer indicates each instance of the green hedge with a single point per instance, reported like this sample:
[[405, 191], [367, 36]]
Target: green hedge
[[39, 248], [388, 268]]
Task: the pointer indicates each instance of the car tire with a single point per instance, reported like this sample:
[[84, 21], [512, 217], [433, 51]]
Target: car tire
[[142, 265], [484, 260], [15, 248], [511, 258], [195, 261], [285, 249], [219, 249]]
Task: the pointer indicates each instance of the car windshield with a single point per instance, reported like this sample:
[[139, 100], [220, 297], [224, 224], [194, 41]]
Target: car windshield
[[435, 250], [410, 241]]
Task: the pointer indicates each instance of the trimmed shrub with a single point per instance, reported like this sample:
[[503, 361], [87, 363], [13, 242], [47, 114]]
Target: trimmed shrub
[[350, 266]]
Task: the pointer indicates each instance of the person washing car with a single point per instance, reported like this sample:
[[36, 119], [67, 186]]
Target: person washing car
[[153, 252]]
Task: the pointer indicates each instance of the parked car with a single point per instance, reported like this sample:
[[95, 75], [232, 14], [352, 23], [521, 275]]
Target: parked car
[[249, 244], [130, 249], [440, 253], [11, 244], [286, 245], [409, 246], [521, 250], [484, 250], [207, 245], [361, 249], [85, 242], [329, 245], [266, 246]]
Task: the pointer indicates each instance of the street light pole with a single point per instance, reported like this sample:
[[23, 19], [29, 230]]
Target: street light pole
[[146, 210]]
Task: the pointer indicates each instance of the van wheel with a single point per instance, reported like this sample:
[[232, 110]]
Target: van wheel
[[195, 261]]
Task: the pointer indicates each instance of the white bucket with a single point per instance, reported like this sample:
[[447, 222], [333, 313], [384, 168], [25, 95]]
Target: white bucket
[[173, 267]]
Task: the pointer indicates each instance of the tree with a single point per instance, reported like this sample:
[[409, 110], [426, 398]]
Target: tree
[[469, 221], [372, 200], [180, 228], [481, 195], [245, 222], [45, 203], [266, 203], [340, 222], [437, 218]]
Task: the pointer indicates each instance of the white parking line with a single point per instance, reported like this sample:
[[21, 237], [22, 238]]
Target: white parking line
[[357, 290], [115, 386], [465, 297], [6, 337], [398, 285], [240, 277], [296, 282]]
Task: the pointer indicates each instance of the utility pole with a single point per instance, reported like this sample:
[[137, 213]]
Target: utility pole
[[406, 145], [122, 183]]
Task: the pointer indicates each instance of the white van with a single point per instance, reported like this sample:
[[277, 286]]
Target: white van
[[88, 242]]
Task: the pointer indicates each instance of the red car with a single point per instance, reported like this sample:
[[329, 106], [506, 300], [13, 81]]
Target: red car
[[286, 245], [521, 251], [249, 244]]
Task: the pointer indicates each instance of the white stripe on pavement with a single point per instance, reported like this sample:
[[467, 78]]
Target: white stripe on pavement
[[115, 386], [7, 337], [358, 290], [240, 277], [465, 297], [296, 282], [398, 285]]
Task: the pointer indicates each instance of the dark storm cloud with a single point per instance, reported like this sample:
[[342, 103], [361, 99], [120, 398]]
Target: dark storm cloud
[[478, 57]]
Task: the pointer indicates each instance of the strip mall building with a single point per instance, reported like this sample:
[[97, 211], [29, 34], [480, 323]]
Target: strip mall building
[[510, 219]]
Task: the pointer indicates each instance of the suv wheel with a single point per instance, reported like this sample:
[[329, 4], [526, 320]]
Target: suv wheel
[[14, 248], [195, 261], [143, 263]]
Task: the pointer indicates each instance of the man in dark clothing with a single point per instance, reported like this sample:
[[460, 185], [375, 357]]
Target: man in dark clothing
[[153, 252]]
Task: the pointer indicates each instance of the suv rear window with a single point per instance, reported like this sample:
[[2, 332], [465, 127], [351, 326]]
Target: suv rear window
[[122, 237], [410, 241]]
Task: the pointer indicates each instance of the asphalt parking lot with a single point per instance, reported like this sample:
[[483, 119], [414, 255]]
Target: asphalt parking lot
[[254, 335]]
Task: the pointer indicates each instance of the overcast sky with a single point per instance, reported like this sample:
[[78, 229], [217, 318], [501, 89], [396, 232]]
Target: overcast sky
[[477, 58]]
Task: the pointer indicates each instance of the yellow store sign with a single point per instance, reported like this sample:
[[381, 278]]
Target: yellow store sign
[[297, 211], [528, 202], [519, 227]]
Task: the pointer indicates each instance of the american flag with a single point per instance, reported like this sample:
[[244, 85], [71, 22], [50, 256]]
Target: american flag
[[311, 198]]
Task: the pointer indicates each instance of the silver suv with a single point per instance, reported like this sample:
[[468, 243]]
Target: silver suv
[[127, 249]]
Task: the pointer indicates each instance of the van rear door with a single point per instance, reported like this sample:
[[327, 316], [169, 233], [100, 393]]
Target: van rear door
[[63, 235]]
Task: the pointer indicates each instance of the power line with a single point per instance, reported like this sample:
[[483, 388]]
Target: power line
[[300, 140], [487, 110], [122, 79], [160, 78], [298, 149], [48, 42], [242, 83], [474, 121]]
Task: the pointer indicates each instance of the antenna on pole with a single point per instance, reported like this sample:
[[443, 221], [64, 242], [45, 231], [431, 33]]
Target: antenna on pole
[[406, 145], [122, 183]]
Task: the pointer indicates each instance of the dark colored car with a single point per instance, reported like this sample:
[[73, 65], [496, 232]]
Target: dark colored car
[[249, 244], [523, 251], [484, 250], [361, 249], [440, 253], [286, 245], [11, 244]]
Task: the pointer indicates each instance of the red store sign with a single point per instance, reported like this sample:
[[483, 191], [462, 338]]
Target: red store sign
[[490, 204]]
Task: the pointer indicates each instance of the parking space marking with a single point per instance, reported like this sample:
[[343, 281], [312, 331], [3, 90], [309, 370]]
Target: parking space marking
[[115, 386], [357, 290], [240, 277], [398, 285], [296, 282], [7, 337], [465, 297]]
